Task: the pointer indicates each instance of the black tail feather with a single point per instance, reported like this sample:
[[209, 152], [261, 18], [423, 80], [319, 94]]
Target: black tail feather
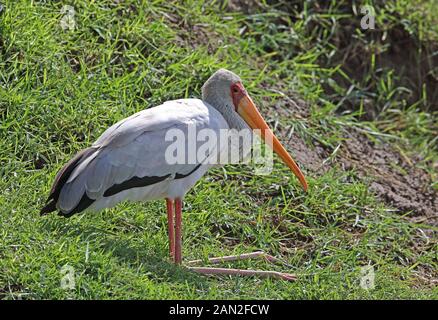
[[60, 180], [49, 207]]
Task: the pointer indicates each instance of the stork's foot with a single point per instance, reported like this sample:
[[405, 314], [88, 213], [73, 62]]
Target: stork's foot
[[241, 272], [175, 247], [243, 256]]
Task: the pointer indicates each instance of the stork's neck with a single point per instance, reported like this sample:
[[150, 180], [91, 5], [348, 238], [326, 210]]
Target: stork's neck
[[226, 108]]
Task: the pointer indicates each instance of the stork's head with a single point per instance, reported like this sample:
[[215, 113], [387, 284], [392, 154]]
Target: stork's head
[[225, 89]]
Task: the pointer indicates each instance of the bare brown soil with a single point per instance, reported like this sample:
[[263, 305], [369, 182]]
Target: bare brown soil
[[394, 177]]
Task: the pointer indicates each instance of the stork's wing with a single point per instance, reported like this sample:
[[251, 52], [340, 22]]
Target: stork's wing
[[132, 153]]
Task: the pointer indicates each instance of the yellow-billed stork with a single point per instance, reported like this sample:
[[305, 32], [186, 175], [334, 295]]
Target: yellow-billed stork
[[128, 161]]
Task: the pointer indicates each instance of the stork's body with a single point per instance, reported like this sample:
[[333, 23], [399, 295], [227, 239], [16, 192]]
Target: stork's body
[[130, 160]]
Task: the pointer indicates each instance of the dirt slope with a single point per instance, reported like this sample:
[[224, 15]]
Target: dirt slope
[[393, 177]]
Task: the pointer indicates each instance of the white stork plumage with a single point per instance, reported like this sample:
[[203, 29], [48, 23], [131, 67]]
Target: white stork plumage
[[128, 161]]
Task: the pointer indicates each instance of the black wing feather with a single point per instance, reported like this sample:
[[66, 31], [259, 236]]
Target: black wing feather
[[60, 180]]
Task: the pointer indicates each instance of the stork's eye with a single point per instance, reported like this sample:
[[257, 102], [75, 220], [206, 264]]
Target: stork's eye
[[235, 88]]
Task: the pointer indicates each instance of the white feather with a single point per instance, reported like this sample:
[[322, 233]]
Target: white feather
[[135, 147]]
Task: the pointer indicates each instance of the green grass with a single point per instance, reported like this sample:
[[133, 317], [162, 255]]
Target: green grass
[[59, 90]]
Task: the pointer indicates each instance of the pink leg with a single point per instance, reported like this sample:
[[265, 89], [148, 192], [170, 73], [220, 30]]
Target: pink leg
[[171, 227], [175, 242], [178, 228]]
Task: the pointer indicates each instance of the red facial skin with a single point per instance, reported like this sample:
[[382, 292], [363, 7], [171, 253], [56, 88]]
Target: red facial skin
[[237, 93]]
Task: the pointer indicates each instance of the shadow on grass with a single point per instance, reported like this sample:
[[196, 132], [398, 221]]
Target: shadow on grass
[[136, 255], [152, 262]]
